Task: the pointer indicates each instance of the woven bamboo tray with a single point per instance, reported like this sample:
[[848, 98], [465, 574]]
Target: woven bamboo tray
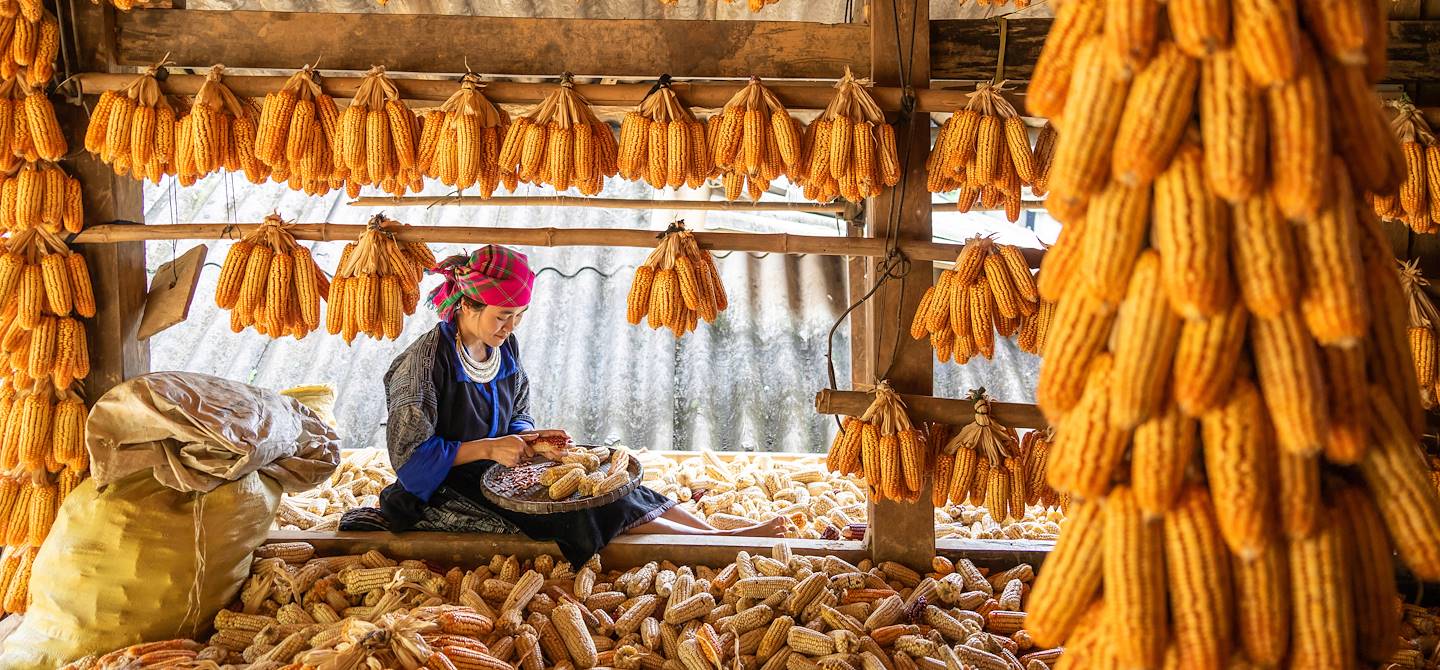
[[535, 498]]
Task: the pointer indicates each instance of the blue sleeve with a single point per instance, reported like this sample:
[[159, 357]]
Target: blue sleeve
[[428, 466], [520, 421]]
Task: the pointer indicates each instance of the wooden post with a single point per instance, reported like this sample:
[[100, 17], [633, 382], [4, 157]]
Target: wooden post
[[900, 55], [117, 271]]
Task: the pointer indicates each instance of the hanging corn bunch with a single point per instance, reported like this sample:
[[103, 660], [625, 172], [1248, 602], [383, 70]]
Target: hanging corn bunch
[[677, 285], [662, 143], [50, 287], [754, 141], [1228, 370], [460, 141], [41, 195], [28, 126], [561, 143], [133, 129], [1034, 456], [989, 291], [1423, 325], [296, 135], [849, 150], [984, 152], [29, 44], [985, 466], [1417, 200], [218, 133], [377, 139], [883, 447], [46, 436], [271, 282], [377, 283]]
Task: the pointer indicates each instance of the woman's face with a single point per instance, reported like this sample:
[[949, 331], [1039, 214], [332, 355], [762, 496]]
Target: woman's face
[[491, 324]]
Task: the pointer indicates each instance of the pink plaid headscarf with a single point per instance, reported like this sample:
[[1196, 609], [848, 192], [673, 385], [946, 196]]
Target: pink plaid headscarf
[[493, 275]]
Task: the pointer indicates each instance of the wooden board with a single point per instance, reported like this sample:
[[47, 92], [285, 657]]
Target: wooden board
[[925, 408], [627, 551], [171, 292], [959, 49], [506, 46]]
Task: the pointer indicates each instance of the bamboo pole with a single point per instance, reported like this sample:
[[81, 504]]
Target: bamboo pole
[[927, 408], [708, 96], [845, 210], [780, 243]]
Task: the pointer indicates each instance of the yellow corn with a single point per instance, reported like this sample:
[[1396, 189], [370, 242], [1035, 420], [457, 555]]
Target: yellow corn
[[1300, 146], [1291, 381], [1144, 341]]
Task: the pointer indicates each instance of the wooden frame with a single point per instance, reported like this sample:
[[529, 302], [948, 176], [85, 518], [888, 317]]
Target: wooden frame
[[111, 43]]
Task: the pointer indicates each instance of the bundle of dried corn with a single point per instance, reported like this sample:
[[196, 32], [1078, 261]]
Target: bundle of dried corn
[[754, 141], [1417, 200], [1235, 402], [133, 129], [45, 287], [41, 196], [849, 150], [783, 609], [47, 436], [296, 135], [375, 143], [29, 42], [218, 133], [271, 282], [984, 151], [983, 463], [357, 482], [1424, 323], [29, 130], [989, 290], [377, 283], [884, 447], [561, 143], [677, 285], [662, 143], [460, 141]]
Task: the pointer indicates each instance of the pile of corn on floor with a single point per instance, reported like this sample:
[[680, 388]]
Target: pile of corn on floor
[[731, 491], [776, 612]]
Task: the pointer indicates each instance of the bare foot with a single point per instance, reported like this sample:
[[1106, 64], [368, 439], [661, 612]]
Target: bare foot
[[773, 528]]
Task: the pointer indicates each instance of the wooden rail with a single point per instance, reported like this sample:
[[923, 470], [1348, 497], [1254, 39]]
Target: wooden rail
[[705, 96], [782, 243], [927, 408]]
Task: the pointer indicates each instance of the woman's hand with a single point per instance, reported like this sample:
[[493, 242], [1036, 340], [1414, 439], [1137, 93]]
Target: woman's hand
[[508, 451], [546, 433]]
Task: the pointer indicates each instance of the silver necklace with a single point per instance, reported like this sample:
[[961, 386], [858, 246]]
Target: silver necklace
[[478, 371]]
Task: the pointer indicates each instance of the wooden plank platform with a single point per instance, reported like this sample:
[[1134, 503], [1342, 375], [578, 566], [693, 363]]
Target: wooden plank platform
[[466, 549]]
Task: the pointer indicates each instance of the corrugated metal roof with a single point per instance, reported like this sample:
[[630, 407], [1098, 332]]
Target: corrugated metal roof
[[743, 383]]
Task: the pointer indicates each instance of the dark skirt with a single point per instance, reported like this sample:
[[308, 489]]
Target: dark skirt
[[580, 534]]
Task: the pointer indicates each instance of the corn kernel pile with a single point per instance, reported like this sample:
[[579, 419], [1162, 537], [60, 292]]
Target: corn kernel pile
[[777, 611], [734, 490]]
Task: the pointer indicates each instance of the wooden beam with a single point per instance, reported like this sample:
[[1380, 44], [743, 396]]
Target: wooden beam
[[626, 551], [117, 271], [838, 207], [968, 50], [495, 45], [958, 49], [926, 408], [900, 56], [781, 243], [704, 96]]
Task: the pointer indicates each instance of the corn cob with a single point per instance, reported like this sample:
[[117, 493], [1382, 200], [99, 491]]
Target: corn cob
[[1109, 250], [1291, 381], [1094, 105], [1333, 299], [1050, 84], [1162, 448], [1322, 602], [1088, 448], [1239, 464], [1145, 335], [1263, 613], [1198, 575], [1156, 113], [1394, 472], [1206, 359], [1082, 326], [1134, 575], [1071, 579]]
